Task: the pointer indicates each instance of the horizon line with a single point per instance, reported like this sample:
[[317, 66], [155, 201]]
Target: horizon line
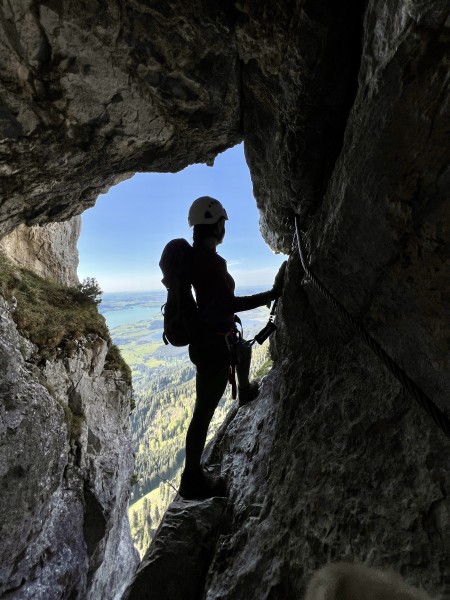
[[250, 285]]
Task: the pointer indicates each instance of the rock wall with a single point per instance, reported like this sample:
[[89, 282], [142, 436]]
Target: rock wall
[[342, 109], [85, 106], [65, 468], [65, 453], [336, 461], [49, 251]]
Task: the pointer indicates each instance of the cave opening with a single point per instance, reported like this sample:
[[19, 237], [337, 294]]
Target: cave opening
[[120, 245], [122, 237]]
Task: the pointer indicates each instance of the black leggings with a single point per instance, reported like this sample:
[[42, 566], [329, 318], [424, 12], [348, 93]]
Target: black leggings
[[210, 388]]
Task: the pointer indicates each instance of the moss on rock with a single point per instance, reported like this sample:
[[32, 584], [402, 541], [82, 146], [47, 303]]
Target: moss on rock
[[54, 316]]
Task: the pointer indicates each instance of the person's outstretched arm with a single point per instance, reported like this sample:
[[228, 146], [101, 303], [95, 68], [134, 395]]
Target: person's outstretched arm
[[242, 303]]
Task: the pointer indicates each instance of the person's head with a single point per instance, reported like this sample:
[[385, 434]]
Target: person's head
[[207, 216]]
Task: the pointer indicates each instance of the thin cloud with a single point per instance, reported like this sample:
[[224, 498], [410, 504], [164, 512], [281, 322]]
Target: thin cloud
[[248, 277]]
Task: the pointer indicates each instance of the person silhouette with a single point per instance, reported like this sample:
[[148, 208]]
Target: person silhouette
[[210, 351]]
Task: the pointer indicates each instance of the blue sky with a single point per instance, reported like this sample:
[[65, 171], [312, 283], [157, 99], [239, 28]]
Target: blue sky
[[124, 234]]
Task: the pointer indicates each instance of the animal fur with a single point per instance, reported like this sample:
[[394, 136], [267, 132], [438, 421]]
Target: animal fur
[[346, 581]]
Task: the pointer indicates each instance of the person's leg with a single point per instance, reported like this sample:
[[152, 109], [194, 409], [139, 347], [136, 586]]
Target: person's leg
[[210, 388], [244, 356], [247, 391], [211, 357]]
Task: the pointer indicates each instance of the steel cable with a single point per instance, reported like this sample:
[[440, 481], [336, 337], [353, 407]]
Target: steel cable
[[441, 420]]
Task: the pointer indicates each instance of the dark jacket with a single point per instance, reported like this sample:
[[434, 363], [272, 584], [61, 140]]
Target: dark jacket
[[214, 290]]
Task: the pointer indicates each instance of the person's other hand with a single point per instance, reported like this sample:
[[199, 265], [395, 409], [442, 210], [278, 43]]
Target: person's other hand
[[277, 288]]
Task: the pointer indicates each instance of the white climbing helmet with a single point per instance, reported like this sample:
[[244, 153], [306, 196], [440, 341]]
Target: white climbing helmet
[[206, 211]]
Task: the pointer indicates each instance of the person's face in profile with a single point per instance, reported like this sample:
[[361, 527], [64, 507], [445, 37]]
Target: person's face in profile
[[220, 230]]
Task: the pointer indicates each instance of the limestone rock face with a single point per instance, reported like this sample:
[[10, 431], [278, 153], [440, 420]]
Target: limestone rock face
[[342, 108], [93, 92], [50, 250], [65, 466], [340, 459]]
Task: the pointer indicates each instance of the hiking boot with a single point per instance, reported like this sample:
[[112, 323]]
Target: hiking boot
[[196, 485], [249, 393]]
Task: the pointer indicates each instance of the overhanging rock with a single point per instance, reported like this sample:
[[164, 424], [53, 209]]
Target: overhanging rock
[[150, 87]]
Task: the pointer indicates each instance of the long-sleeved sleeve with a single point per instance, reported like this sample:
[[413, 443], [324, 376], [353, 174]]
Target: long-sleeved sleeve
[[241, 303]]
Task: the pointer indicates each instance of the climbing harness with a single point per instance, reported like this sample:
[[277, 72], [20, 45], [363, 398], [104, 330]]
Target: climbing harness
[[233, 338], [421, 398], [240, 349]]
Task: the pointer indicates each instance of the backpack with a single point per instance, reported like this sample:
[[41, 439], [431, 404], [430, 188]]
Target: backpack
[[181, 316]]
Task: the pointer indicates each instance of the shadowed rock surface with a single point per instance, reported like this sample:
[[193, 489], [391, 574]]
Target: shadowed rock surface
[[176, 564], [343, 111]]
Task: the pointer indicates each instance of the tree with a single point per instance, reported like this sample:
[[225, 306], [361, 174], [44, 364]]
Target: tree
[[157, 514], [91, 290]]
